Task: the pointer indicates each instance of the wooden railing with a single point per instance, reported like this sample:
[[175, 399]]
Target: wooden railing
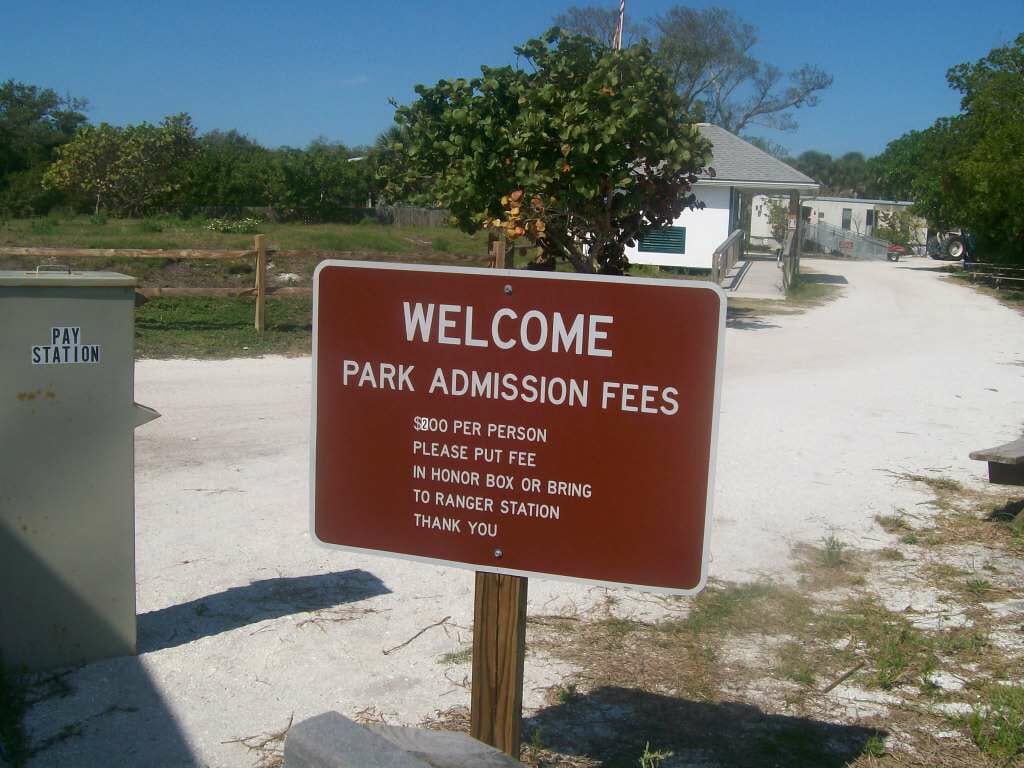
[[726, 255]]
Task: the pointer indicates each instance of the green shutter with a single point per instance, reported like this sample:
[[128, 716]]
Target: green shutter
[[664, 240]]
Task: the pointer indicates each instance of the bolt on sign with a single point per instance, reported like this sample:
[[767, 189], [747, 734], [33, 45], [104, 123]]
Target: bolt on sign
[[526, 423]]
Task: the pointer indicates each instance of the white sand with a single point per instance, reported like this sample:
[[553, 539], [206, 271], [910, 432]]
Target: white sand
[[905, 373]]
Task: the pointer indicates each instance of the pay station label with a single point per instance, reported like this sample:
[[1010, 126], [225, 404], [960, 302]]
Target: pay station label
[[65, 347]]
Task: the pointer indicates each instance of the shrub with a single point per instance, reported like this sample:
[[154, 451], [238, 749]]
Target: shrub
[[250, 225]]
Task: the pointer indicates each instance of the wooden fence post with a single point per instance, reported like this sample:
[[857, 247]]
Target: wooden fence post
[[261, 282], [499, 652]]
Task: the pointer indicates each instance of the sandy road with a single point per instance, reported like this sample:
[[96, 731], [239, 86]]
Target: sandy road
[[243, 622]]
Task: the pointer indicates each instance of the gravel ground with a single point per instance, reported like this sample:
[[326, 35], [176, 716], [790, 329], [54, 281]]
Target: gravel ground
[[244, 623]]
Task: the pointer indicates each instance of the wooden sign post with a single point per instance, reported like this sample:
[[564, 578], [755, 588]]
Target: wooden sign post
[[516, 423], [499, 640], [499, 652]]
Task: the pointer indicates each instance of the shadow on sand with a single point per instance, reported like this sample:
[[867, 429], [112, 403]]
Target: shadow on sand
[[825, 279], [947, 267], [613, 725], [257, 601], [743, 319], [113, 701], [106, 713]]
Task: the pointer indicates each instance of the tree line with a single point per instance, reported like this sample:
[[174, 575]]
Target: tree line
[[574, 130], [965, 170], [52, 157]]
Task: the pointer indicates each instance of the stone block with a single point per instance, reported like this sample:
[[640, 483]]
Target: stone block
[[332, 740]]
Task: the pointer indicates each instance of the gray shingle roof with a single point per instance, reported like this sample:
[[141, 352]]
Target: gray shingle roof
[[739, 160]]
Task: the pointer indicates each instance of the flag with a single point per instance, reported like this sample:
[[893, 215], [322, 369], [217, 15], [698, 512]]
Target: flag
[[617, 41]]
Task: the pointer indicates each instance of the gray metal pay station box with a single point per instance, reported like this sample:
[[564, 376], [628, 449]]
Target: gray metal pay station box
[[67, 506]]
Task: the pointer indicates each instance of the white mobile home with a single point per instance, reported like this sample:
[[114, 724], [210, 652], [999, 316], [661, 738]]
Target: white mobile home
[[740, 169], [859, 216]]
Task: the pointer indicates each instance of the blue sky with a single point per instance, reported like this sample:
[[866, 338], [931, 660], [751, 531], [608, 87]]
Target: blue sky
[[285, 73]]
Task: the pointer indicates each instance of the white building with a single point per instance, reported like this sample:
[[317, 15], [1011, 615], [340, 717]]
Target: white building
[[856, 215], [740, 169]]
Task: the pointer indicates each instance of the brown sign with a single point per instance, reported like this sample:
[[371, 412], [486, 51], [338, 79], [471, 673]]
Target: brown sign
[[517, 422]]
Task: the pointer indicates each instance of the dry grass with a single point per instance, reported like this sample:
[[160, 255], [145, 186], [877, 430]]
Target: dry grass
[[451, 719], [830, 565], [268, 748], [765, 674], [1010, 297], [800, 654]]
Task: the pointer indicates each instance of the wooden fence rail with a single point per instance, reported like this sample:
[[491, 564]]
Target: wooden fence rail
[[125, 253], [161, 293], [258, 252]]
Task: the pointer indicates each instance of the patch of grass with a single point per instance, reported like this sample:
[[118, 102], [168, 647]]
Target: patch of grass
[[811, 289], [678, 655], [810, 293], [461, 656], [928, 687], [944, 572], [668, 273], [653, 759], [910, 538], [619, 628], [566, 694], [997, 724], [199, 327], [978, 587], [441, 244], [894, 649], [43, 227], [832, 565], [946, 490], [1011, 297], [966, 643], [890, 553], [874, 747], [832, 552], [794, 663], [739, 609], [176, 233], [892, 523], [14, 744], [971, 516]]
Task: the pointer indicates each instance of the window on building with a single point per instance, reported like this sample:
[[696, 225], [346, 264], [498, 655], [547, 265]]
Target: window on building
[[847, 217], [663, 240], [869, 217]]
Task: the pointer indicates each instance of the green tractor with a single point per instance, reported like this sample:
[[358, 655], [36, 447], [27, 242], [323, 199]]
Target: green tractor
[[952, 245]]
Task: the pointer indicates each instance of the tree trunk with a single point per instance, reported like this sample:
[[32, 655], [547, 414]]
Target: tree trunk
[[564, 247]]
